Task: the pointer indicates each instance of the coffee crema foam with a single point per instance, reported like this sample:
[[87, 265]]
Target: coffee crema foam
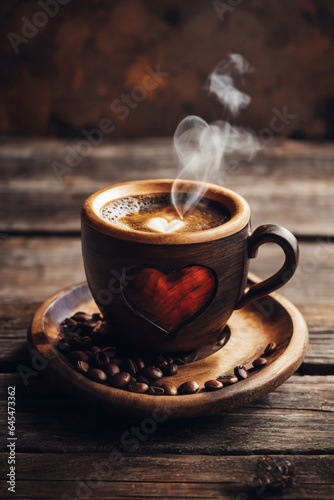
[[156, 213]]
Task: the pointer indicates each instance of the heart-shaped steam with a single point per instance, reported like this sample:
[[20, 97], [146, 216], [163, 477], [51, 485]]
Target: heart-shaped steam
[[162, 225]]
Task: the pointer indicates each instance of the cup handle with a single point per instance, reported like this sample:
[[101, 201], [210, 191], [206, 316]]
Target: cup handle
[[271, 233]]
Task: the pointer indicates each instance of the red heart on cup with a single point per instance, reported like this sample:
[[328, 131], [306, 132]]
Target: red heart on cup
[[169, 301]]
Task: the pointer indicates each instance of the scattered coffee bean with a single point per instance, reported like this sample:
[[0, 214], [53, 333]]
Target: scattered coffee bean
[[117, 360], [63, 346], [97, 317], [128, 365], [169, 388], [213, 385], [155, 390], [259, 362], [274, 474], [139, 362], [151, 373], [227, 379], [240, 372], [120, 380], [170, 370], [94, 349], [270, 349], [97, 375], [186, 358], [86, 342], [143, 380], [169, 359], [79, 356], [75, 343], [84, 329], [189, 387], [159, 361], [81, 317], [101, 358], [82, 366], [111, 369], [110, 351], [139, 388], [70, 324]]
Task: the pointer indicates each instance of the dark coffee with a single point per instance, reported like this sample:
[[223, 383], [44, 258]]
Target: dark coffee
[[156, 213]]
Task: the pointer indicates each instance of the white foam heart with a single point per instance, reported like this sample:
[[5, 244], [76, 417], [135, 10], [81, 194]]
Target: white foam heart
[[161, 225]]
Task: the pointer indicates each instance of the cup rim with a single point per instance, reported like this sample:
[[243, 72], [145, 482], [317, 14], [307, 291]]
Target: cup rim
[[236, 204]]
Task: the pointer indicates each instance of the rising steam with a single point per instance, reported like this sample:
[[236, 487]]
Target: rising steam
[[203, 149]]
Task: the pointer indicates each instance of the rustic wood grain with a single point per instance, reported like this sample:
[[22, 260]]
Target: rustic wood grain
[[179, 475], [47, 421], [48, 490], [168, 468], [289, 184]]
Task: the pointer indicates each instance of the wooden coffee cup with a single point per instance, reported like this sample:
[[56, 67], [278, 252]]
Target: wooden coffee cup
[[175, 292]]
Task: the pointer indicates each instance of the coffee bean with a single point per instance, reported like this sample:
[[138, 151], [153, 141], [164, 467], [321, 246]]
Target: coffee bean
[[240, 372], [213, 385], [81, 329], [97, 327], [151, 373], [101, 358], [170, 370], [143, 380], [139, 388], [257, 482], [72, 334], [81, 317], [111, 369], [82, 366], [189, 387], [270, 349], [139, 362], [120, 380], [186, 358], [128, 365], [94, 349], [63, 346], [169, 388], [227, 379], [70, 323], [117, 360], [75, 343], [97, 317], [79, 356], [169, 359], [259, 362], [86, 342], [155, 390], [97, 375], [158, 361], [110, 351]]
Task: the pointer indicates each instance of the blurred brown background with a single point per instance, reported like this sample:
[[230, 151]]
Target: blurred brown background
[[64, 63]]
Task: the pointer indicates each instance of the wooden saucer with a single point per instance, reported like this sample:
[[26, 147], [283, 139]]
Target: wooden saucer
[[271, 319]]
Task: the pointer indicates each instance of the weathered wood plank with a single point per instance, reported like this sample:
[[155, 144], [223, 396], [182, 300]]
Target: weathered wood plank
[[37, 267], [290, 183], [232, 474], [164, 468], [297, 418], [48, 490]]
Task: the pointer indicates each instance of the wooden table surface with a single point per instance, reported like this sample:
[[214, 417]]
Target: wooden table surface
[[62, 442]]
